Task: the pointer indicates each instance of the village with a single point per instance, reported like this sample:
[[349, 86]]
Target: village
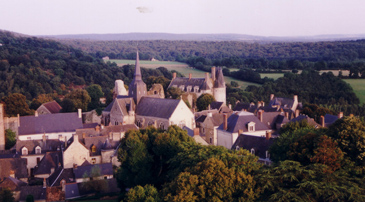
[[56, 153]]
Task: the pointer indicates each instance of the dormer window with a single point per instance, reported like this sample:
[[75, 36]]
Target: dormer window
[[237, 147], [93, 148], [24, 151], [38, 150], [251, 126], [267, 154], [253, 151]]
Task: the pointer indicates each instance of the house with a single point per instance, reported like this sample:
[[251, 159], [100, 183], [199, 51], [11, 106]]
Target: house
[[162, 113], [14, 185], [94, 145], [119, 112], [49, 108], [88, 172], [284, 103], [15, 168], [329, 119], [33, 151], [58, 126], [208, 125], [256, 145], [214, 85], [239, 123], [49, 163]]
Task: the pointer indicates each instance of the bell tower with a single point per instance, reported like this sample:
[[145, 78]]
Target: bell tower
[[137, 88]]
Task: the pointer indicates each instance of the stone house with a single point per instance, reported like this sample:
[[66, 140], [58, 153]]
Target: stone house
[[239, 123], [49, 108], [208, 125]]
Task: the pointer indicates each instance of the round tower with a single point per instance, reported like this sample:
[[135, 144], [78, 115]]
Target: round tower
[[219, 88]]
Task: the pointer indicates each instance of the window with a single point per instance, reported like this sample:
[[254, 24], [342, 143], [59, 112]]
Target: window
[[162, 126], [252, 151], [93, 148], [151, 123], [139, 123], [93, 161], [251, 126], [237, 147], [38, 150], [24, 151]]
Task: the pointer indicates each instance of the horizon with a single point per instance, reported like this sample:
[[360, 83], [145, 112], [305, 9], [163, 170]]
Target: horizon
[[279, 18]]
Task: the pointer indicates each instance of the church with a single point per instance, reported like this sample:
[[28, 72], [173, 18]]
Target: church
[[136, 106]]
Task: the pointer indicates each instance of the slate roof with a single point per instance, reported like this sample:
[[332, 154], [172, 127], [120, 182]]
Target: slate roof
[[156, 107], [53, 107], [72, 191], [48, 145], [219, 82], [101, 143], [105, 169], [239, 120], [38, 192], [216, 105], [12, 183], [330, 119], [49, 123], [200, 119], [18, 165], [178, 81], [50, 160], [259, 144], [304, 117], [59, 174], [283, 102], [250, 107]]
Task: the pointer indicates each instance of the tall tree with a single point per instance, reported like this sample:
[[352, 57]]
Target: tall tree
[[80, 99], [16, 104], [95, 92], [204, 101]]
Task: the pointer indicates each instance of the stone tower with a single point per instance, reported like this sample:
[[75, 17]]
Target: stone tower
[[137, 88], [2, 128], [219, 88], [119, 89]]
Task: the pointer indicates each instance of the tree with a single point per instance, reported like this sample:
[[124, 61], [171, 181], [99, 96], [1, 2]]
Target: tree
[[10, 138], [16, 104], [349, 133], [95, 92], [173, 93], [204, 101], [79, 98], [138, 193], [40, 99], [6, 195], [29, 198], [213, 180]]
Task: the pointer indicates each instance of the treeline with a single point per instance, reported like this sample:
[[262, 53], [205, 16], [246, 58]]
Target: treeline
[[280, 55], [309, 165], [33, 66]]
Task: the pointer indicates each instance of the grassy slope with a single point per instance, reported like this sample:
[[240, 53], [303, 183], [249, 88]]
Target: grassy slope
[[180, 67], [359, 88]]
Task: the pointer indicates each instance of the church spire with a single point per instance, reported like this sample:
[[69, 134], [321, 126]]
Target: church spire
[[137, 71]]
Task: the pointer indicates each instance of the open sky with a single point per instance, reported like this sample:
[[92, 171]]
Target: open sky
[[253, 17]]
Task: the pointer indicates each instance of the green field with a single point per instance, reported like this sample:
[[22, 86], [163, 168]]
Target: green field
[[180, 67], [359, 88], [271, 75]]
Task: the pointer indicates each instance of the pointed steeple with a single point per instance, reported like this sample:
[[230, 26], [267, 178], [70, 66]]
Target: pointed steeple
[[137, 88], [137, 71]]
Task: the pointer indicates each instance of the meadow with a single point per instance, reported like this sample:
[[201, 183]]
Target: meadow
[[180, 67], [359, 88]]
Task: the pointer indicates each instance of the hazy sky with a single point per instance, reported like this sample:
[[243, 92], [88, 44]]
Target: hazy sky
[[253, 17]]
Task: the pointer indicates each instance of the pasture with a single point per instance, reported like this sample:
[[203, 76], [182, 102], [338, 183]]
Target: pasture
[[180, 67], [359, 88]]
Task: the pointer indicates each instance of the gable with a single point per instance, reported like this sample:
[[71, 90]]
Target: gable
[[156, 107]]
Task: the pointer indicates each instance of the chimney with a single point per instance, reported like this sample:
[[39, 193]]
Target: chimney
[[296, 113], [295, 98], [75, 166], [44, 137], [79, 113], [196, 131], [229, 106], [189, 76], [65, 141], [258, 104], [76, 138], [272, 96], [206, 76], [225, 124], [44, 183], [213, 73], [260, 115], [209, 114], [36, 114], [322, 121], [240, 131], [97, 128], [174, 75], [12, 174], [268, 135], [263, 103], [209, 107], [340, 115], [83, 135], [18, 120]]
